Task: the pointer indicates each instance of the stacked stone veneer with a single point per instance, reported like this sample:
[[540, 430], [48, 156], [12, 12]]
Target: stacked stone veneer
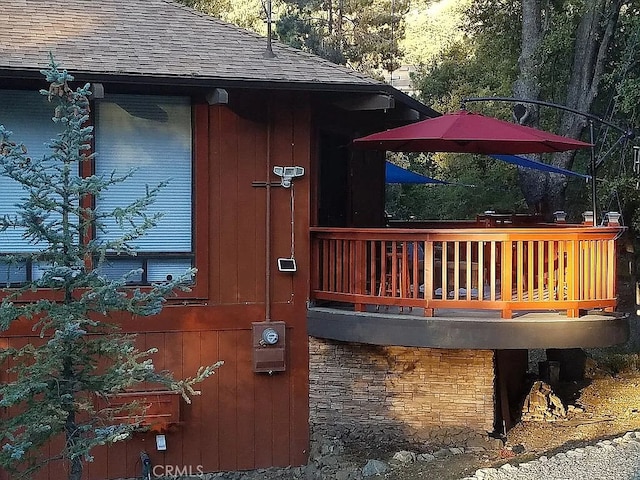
[[416, 393]]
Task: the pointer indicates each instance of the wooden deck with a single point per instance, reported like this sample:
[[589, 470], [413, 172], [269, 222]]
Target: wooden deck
[[507, 269]]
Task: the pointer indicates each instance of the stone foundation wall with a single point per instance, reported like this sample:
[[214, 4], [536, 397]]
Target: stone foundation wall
[[417, 394]]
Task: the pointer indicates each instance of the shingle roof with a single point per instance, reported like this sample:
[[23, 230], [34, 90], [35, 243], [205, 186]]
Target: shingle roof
[[153, 38]]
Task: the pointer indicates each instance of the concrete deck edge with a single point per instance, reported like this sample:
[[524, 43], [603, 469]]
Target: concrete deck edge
[[540, 330]]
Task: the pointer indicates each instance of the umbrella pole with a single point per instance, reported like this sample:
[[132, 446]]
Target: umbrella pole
[[593, 174]]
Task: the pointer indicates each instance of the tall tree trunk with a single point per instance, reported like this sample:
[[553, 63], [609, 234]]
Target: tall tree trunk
[[527, 87], [593, 40], [71, 433]]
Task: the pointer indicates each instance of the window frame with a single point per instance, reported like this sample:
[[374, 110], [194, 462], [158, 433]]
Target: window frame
[[199, 209], [145, 257]]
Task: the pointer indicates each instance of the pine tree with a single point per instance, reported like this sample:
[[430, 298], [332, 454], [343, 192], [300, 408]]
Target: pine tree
[[81, 354]]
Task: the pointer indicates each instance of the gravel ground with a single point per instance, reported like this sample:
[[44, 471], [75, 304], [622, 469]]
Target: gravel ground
[[617, 459]]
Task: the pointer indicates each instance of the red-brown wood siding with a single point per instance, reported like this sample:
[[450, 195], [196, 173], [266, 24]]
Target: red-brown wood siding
[[242, 420]]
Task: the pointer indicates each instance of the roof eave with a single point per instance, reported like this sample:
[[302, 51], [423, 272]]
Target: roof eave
[[222, 82]]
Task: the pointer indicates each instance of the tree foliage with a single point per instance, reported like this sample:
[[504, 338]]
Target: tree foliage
[[364, 34], [247, 14], [487, 61], [431, 26], [79, 353], [478, 184], [620, 188]]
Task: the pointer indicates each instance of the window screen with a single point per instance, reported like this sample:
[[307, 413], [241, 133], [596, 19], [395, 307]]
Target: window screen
[[152, 135], [28, 115]]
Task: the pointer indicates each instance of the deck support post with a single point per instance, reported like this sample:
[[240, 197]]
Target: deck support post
[[573, 312]]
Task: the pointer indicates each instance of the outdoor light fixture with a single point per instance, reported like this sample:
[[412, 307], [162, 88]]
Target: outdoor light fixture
[[612, 219], [287, 174], [560, 216], [587, 217]]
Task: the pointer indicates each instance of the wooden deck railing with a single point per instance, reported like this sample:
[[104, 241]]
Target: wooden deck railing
[[550, 267]]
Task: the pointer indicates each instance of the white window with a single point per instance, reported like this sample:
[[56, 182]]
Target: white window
[[28, 115], [150, 134]]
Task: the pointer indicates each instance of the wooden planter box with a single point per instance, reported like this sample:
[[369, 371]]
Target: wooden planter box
[[159, 409]]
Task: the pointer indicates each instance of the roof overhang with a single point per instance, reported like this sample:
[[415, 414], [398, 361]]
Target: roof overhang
[[370, 96]]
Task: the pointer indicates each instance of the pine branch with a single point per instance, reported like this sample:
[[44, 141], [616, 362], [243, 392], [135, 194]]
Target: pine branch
[[80, 354]]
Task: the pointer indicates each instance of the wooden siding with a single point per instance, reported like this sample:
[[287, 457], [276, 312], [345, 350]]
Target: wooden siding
[[242, 420]]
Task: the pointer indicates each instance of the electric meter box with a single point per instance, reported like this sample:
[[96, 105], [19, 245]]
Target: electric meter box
[[269, 347]]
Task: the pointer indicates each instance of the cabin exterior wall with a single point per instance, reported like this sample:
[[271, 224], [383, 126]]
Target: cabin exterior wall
[[242, 420]]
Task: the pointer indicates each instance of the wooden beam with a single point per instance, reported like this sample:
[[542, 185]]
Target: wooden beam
[[366, 102]]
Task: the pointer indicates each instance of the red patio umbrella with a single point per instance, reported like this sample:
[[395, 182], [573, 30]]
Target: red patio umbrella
[[468, 132]]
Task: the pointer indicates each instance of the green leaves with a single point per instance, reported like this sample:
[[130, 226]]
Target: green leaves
[[365, 34]]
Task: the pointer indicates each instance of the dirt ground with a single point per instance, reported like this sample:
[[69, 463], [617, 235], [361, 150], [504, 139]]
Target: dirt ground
[[610, 402]]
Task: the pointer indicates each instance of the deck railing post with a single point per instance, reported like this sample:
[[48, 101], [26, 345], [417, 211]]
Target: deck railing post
[[611, 269], [359, 272], [574, 259], [506, 280], [429, 274]]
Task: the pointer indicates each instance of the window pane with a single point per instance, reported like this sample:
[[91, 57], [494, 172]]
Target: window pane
[[153, 135], [38, 269], [28, 115], [118, 268], [12, 273], [160, 270]]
